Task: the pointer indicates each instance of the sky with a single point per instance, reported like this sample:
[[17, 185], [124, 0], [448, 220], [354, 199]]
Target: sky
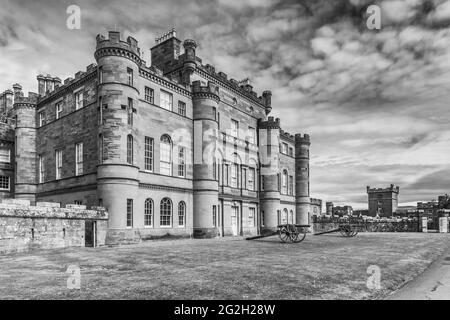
[[375, 102]]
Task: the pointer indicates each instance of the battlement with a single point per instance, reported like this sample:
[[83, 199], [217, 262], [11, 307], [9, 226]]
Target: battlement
[[270, 123], [317, 202], [210, 89], [242, 86], [302, 139], [113, 45], [287, 135], [391, 188]]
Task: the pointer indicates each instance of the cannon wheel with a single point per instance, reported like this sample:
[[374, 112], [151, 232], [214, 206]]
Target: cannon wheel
[[285, 235], [300, 236], [348, 231]]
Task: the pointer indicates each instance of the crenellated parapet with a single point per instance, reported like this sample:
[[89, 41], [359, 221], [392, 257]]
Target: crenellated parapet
[[209, 91], [391, 188], [113, 45], [302, 139], [270, 123]]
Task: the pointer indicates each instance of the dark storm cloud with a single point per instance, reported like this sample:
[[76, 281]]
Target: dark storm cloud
[[374, 102]]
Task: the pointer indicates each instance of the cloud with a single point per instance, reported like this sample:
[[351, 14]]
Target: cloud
[[374, 102]]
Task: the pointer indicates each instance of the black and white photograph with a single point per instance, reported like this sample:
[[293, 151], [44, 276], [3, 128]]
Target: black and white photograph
[[225, 156]]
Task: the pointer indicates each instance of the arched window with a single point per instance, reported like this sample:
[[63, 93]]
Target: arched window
[[181, 214], [130, 149], [284, 182], [148, 212], [291, 218], [284, 216], [165, 216], [165, 151]]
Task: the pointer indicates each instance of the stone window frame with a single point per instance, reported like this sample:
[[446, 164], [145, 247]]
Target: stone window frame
[[129, 221], [130, 76], [41, 169], [181, 161], [182, 214], [130, 149], [165, 155], [79, 165], [58, 163], [5, 183], [182, 108], [214, 216], [165, 213], [166, 100], [284, 181], [79, 103], [148, 213], [58, 109], [149, 154], [251, 216], [149, 95]]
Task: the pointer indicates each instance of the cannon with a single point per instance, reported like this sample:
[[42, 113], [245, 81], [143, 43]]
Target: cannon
[[346, 230], [288, 233]]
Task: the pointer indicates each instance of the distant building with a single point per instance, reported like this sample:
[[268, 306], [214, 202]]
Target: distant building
[[316, 207], [342, 211], [383, 202], [329, 208]]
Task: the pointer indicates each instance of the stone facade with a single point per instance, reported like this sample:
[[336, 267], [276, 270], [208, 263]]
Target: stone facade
[[383, 202], [171, 148]]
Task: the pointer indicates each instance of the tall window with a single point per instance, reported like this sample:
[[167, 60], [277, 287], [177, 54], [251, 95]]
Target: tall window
[[100, 74], [214, 216], [100, 110], [234, 128], [4, 183], [284, 148], [149, 95], [41, 118], [291, 151], [214, 111], [182, 108], [166, 100], [225, 174], [234, 175], [130, 76], [251, 217], [79, 100], [59, 109], [79, 158], [41, 169], [262, 218], [130, 149], [291, 217], [5, 155], [148, 212], [165, 150], [130, 213], [181, 162], [130, 112], [291, 185], [284, 182], [100, 148], [58, 162], [148, 154], [165, 213], [251, 135], [251, 178], [284, 217], [181, 214]]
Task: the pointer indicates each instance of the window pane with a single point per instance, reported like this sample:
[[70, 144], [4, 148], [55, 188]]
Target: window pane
[[148, 212], [166, 212], [148, 154], [129, 212], [4, 183], [5, 155], [165, 156], [166, 100]]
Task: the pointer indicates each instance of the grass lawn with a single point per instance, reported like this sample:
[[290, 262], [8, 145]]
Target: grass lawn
[[320, 267]]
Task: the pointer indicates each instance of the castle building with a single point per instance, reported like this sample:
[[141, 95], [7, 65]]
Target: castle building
[[171, 148], [383, 202], [316, 207]]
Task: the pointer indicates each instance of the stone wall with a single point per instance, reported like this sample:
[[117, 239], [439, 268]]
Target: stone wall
[[46, 225]]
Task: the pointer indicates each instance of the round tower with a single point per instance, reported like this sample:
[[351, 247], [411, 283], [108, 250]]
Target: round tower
[[189, 64], [24, 111], [206, 188], [302, 198], [117, 173], [269, 137]]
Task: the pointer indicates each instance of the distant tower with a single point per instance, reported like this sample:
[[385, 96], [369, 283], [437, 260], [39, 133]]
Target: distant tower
[[302, 199], [329, 206], [383, 202], [189, 62]]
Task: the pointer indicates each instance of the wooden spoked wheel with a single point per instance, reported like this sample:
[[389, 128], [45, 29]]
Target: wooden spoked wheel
[[348, 231], [286, 235]]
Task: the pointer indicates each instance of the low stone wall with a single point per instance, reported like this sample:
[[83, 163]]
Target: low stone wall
[[46, 225]]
